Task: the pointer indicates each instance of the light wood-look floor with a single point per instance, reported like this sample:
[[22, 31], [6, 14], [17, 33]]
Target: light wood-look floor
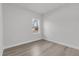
[[41, 48]]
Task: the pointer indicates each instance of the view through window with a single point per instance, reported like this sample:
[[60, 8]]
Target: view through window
[[35, 25]]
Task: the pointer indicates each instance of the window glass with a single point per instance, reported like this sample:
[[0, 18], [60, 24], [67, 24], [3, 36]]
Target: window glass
[[35, 25]]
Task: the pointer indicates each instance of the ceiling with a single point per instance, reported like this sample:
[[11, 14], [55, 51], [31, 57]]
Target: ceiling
[[41, 8]]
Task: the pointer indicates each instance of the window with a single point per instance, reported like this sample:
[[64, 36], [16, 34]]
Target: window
[[35, 26]]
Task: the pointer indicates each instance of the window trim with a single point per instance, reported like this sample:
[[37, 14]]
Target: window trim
[[37, 25]]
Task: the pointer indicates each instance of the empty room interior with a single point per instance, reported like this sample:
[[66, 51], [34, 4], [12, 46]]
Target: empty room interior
[[39, 29]]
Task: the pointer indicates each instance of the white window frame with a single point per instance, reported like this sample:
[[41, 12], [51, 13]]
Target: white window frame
[[38, 25]]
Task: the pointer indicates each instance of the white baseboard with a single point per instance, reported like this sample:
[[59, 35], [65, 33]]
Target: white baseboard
[[21, 43], [71, 46], [64, 44]]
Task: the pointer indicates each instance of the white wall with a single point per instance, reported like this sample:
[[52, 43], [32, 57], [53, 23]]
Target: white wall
[[18, 25], [1, 30], [62, 26]]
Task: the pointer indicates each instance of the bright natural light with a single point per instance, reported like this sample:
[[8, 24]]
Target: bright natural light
[[36, 25]]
